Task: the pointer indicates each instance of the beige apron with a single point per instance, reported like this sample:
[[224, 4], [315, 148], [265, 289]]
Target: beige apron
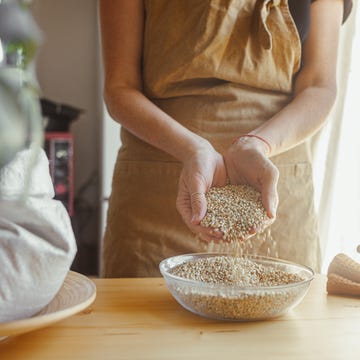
[[221, 68]]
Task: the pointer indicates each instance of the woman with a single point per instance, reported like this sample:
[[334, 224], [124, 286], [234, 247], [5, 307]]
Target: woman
[[186, 77]]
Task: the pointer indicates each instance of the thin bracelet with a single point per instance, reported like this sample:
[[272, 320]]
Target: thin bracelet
[[257, 137]]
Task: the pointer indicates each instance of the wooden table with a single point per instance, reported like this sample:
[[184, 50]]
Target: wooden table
[[138, 319]]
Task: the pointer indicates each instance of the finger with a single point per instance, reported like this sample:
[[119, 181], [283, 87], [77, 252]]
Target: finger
[[183, 205], [198, 206], [184, 208], [211, 232], [217, 233], [270, 202], [208, 231], [269, 194], [206, 238]]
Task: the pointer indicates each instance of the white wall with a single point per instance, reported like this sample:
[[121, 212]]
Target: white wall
[[110, 146], [67, 69], [68, 72]]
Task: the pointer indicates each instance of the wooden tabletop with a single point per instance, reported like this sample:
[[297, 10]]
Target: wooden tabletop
[[138, 319]]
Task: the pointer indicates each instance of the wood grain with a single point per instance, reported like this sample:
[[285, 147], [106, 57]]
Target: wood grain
[[138, 319]]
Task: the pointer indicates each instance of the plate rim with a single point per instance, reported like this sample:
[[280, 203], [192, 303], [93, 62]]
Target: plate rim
[[21, 326]]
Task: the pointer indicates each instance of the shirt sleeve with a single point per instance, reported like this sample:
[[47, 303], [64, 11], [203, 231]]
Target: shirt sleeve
[[37, 244]]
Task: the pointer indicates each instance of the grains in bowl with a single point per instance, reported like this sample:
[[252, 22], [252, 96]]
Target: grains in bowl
[[232, 288], [228, 270]]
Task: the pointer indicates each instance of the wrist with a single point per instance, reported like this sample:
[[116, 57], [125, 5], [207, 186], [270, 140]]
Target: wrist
[[193, 147], [252, 141]]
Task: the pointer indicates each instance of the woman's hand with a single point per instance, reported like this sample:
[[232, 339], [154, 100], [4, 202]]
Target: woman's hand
[[247, 163], [202, 170]]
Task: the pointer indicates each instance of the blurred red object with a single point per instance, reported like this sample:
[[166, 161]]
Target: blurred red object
[[59, 149]]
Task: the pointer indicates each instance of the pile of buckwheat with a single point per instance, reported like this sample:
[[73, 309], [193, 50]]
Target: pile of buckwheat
[[236, 210], [234, 271]]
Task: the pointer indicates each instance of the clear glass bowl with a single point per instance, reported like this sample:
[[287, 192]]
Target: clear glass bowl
[[234, 303]]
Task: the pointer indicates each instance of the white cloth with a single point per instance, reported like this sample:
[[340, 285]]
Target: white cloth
[[336, 165], [37, 244]]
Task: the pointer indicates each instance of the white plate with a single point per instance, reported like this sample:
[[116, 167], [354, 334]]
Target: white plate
[[75, 295]]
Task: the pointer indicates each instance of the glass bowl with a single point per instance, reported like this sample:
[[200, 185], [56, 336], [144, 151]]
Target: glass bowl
[[236, 303]]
